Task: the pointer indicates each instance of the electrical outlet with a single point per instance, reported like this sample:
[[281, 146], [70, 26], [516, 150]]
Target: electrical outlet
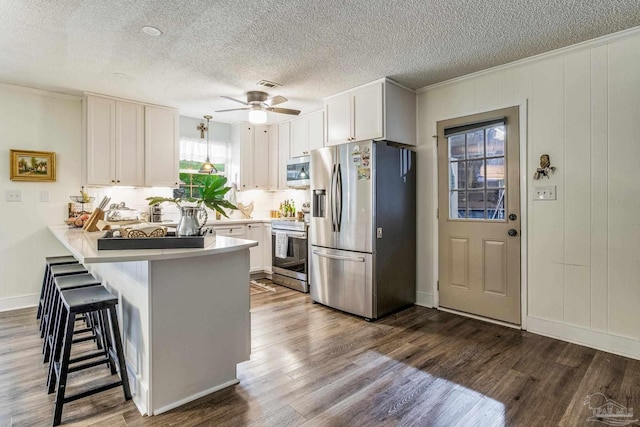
[[379, 232], [13, 195], [545, 193]]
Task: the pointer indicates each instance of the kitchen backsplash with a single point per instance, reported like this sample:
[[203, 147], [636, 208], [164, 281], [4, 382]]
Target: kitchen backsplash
[[263, 201]]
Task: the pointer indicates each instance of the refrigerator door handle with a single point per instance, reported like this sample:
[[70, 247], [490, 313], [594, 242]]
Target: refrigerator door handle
[[339, 196], [342, 258], [333, 199]]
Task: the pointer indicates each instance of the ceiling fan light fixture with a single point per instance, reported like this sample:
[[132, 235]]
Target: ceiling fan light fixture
[[257, 116]]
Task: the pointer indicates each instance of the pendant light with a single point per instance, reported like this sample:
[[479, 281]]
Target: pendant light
[[207, 167]]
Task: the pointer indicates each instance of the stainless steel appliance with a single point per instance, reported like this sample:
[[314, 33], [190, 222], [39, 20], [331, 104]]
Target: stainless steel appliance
[[298, 172], [363, 228], [291, 270]]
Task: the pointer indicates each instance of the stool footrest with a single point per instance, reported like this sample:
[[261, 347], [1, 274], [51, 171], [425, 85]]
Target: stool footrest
[[87, 365], [92, 391], [83, 339], [87, 356]]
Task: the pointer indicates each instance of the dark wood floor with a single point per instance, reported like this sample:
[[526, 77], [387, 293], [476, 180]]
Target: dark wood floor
[[314, 366]]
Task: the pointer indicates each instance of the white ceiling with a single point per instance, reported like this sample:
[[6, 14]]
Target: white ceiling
[[313, 48]]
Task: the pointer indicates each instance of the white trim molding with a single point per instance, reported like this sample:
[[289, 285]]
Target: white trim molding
[[22, 301], [600, 341], [424, 299], [194, 397]]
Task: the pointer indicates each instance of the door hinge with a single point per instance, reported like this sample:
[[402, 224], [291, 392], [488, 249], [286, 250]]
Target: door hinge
[[437, 213], [438, 284]]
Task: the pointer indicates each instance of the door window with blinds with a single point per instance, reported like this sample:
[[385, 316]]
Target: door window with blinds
[[477, 178]]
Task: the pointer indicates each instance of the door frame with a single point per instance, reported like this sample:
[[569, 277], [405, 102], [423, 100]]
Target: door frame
[[524, 227]]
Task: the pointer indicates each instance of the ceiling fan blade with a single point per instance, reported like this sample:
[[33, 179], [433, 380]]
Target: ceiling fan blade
[[284, 110], [233, 99], [275, 100], [233, 109]]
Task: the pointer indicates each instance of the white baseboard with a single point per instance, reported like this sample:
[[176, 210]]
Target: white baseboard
[[424, 299], [194, 397], [600, 341], [22, 301]]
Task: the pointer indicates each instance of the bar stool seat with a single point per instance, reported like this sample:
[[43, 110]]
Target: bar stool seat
[[49, 261], [63, 283], [55, 271], [77, 301]]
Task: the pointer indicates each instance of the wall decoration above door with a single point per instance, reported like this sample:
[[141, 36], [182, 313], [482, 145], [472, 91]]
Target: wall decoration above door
[[32, 165]]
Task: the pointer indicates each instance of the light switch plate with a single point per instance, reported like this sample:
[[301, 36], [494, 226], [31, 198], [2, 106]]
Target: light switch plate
[[44, 196], [545, 193], [13, 195]]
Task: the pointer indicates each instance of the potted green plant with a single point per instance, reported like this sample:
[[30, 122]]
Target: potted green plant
[[211, 195]]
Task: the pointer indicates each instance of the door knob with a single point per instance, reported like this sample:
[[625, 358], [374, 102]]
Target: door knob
[[512, 232], [513, 217]]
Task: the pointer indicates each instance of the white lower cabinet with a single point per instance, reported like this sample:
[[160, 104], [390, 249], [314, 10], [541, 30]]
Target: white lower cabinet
[[237, 230], [259, 256], [255, 232], [266, 248]]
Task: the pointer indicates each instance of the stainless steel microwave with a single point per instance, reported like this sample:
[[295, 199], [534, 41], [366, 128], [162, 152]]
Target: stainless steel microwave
[[298, 172]]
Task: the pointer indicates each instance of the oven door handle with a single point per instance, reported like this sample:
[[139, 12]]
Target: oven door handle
[[342, 258], [292, 235]]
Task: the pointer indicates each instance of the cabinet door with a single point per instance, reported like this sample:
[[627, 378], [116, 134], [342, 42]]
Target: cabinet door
[[273, 157], [129, 144], [284, 137], [367, 113], [338, 114], [237, 231], [299, 137], [316, 130], [162, 164], [261, 157], [246, 156], [266, 248], [101, 140], [254, 232]]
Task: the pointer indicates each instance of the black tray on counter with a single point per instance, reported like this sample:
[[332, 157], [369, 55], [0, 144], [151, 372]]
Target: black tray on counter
[[170, 241]]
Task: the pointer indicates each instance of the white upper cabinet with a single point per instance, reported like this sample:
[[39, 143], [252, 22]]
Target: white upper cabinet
[[307, 133], [251, 156], [261, 157], [114, 142], [273, 157], [162, 162], [381, 110], [129, 143], [284, 140]]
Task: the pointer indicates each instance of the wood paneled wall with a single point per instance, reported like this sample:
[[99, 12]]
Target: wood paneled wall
[[583, 252]]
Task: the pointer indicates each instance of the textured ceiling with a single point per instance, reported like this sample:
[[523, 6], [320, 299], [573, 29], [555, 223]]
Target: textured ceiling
[[314, 48]]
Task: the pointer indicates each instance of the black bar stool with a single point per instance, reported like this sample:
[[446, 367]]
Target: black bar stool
[[64, 283], [52, 260], [94, 299], [56, 271]]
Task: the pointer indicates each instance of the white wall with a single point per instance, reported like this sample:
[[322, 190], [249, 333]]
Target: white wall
[[43, 121], [583, 249]]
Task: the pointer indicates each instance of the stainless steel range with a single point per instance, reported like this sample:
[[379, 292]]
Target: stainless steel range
[[289, 254]]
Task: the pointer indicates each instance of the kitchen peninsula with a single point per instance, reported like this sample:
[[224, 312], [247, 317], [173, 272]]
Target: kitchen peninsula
[[184, 314]]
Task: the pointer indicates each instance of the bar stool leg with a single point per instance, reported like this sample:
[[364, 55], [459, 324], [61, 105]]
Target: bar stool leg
[[113, 321], [61, 382], [106, 339], [52, 377], [45, 279]]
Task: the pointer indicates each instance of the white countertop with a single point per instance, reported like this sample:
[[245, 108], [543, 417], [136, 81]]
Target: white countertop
[[84, 246]]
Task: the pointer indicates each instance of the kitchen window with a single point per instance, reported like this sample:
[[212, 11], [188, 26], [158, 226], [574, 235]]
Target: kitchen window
[[193, 153]]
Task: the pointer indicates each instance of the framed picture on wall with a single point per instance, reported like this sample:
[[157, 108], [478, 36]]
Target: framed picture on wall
[[32, 165]]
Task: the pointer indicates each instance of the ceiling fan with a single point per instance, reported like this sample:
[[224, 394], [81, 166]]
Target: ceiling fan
[[258, 105]]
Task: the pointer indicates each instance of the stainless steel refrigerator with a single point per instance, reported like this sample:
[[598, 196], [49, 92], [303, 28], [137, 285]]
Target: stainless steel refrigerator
[[363, 228]]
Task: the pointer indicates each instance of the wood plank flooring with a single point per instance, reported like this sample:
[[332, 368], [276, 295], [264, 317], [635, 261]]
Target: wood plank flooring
[[313, 366]]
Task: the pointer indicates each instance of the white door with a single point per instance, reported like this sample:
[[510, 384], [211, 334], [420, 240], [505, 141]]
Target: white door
[[255, 232], [338, 116], [367, 113], [162, 164], [261, 158], [284, 137], [246, 156], [479, 214], [273, 157], [300, 137], [316, 130], [129, 143], [101, 140]]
